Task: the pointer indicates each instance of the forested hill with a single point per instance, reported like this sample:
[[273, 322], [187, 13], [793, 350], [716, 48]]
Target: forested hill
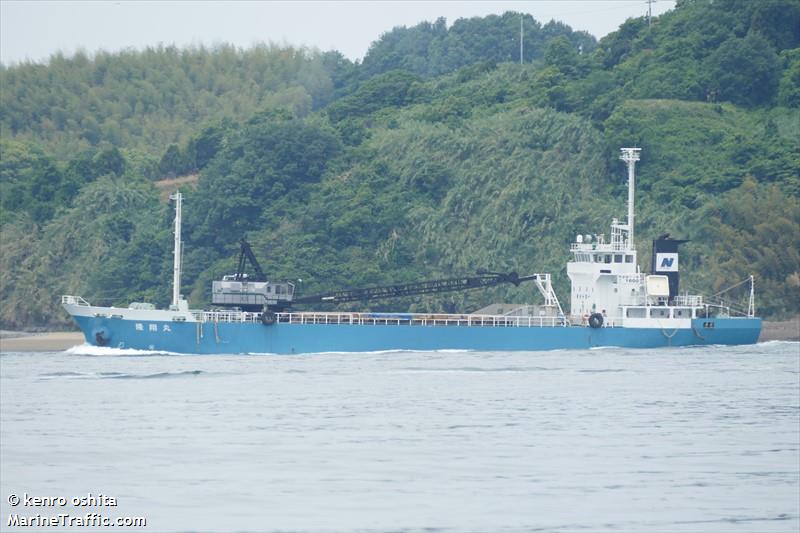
[[437, 155]]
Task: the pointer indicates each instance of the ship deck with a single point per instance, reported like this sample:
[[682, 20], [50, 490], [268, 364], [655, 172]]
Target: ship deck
[[386, 319]]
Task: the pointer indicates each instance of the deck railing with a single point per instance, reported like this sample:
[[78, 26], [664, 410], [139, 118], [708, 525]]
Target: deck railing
[[74, 300], [689, 300], [388, 319]]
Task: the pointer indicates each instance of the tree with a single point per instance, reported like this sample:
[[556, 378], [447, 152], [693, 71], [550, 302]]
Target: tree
[[744, 71], [173, 162], [563, 55], [263, 166], [789, 87], [109, 161]]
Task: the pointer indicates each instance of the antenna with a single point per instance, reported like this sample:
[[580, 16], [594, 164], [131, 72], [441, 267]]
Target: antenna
[[630, 156], [176, 268], [521, 36], [649, 12]]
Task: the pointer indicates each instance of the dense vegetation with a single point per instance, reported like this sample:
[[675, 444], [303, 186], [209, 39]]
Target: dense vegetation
[[438, 154]]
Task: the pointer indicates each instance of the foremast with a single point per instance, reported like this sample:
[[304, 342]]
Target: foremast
[[177, 303]]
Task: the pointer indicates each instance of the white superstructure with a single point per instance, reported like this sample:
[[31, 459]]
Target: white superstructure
[[605, 275]]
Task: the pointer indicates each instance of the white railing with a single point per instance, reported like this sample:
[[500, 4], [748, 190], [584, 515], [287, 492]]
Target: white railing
[[689, 300], [226, 316], [597, 247], [388, 319], [74, 300]]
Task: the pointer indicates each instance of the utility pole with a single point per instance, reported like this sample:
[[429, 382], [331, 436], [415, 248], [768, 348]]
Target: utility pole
[[649, 12]]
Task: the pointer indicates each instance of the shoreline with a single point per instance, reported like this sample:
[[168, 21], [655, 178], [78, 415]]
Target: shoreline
[[26, 341], [53, 341]]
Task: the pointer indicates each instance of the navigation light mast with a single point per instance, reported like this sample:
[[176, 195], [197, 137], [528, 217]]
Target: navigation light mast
[[630, 156]]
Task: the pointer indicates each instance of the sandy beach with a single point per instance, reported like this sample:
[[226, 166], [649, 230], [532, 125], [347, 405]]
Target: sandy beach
[[786, 330], [19, 341]]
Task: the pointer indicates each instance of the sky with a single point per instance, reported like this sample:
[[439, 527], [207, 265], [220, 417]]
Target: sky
[[33, 30]]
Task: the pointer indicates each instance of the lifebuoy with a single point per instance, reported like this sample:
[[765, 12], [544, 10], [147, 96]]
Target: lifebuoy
[[267, 318], [596, 320]]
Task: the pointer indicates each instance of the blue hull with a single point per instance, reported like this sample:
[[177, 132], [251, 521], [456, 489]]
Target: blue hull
[[282, 338]]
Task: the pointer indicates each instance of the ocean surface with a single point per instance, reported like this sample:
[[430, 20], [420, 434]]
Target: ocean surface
[[683, 439]]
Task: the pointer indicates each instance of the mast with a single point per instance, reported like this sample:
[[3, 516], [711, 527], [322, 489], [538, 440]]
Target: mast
[[630, 156], [176, 268]]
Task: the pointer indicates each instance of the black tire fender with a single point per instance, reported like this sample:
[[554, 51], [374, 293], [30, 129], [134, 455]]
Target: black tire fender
[[596, 320], [101, 337], [268, 318]]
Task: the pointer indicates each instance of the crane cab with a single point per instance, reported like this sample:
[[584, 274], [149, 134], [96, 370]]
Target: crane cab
[[251, 295]]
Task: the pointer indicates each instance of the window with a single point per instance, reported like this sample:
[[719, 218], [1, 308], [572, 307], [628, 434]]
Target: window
[[617, 258], [269, 288], [659, 313], [636, 312], [608, 259], [629, 259], [598, 258], [680, 312]]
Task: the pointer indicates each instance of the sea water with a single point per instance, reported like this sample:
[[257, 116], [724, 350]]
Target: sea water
[[689, 439]]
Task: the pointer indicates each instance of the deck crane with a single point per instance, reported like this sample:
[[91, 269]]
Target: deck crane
[[246, 254], [258, 294]]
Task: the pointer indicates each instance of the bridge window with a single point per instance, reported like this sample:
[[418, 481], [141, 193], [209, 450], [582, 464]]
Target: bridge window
[[629, 259], [598, 258], [617, 258], [608, 259]]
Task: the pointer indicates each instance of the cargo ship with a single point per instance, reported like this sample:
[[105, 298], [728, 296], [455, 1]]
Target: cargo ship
[[612, 304]]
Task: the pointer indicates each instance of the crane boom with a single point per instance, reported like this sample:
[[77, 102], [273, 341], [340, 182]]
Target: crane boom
[[487, 279], [246, 254]]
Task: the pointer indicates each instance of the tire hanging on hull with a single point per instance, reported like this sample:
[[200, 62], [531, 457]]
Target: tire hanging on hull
[[596, 320], [101, 337]]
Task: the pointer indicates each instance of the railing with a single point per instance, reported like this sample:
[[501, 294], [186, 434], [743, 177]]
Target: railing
[[689, 300], [74, 300], [370, 319], [226, 316], [597, 247], [389, 319]]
